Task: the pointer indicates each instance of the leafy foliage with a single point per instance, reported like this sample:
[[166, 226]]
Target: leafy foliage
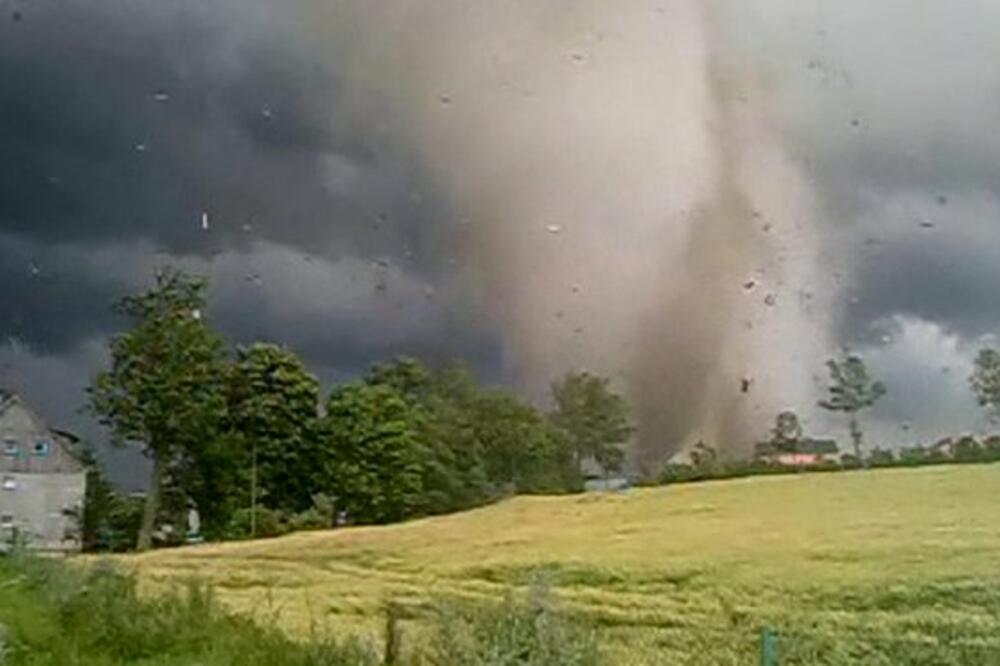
[[850, 391], [786, 432], [985, 380], [371, 453], [165, 384], [272, 407], [594, 418]]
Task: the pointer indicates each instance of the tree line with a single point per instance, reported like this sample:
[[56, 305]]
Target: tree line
[[246, 438]]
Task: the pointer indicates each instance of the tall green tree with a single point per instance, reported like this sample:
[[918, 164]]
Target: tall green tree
[[165, 385], [371, 453], [523, 450], [273, 404], [451, 456], [594, 418], [850, 391], [985, 380]]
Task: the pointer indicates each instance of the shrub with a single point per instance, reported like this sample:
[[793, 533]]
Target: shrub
[[514, 633]]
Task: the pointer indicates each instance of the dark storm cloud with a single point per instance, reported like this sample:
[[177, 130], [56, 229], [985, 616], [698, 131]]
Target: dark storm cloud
[[127, 123], [121, 124]]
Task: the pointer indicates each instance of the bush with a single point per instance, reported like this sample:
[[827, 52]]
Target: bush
[[57, 615], [515, 633]]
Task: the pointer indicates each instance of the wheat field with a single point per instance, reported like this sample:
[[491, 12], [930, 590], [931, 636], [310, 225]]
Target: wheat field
[[879, 566]]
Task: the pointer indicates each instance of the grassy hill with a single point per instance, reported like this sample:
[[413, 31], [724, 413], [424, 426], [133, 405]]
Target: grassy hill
[[882, 566]]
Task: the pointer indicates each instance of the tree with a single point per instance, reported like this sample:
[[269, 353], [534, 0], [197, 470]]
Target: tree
[[850, 391], [594, 418], [451, 460], [787, 432], [985, 380], [371, 454], [272, 406], [522, 449], [164, 388]]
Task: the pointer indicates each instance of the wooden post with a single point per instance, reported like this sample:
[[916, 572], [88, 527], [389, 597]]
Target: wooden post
[[768, 647], [393, 634]]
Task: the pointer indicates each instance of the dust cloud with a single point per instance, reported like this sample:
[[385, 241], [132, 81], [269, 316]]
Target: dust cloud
[[623, 198]]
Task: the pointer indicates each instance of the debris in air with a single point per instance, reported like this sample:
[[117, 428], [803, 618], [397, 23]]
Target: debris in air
[[15, 16], [140, 147], [444, 98], [553, 228], [926, 224], [204, 221], [161, 95], [196, 314], [745, 385], [267, 113], [255, 278], [942, 200], [770, 300], [749, 284]]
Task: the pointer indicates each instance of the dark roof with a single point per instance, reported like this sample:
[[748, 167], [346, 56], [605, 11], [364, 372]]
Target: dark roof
[[806, 445]]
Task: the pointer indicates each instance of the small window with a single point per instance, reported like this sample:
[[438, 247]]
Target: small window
[[42, 448], [6, 520], [9, 483], [10, 447]]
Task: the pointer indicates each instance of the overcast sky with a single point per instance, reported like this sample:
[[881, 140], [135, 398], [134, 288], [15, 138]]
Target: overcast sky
[[123, 124]]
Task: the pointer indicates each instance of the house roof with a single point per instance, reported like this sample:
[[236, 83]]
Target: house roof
[[805, 445], [64, 438]]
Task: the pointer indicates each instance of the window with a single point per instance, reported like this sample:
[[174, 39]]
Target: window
[[9, 483], [6, 520], [42, 448], [10, 448]]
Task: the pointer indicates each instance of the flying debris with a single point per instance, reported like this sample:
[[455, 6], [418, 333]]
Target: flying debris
[[749, 284], [745, 384], [16, 16], [161, 95], [444, 98], [926, 224], [35, 270], [196, 314], [255, 278], [770, 300], [204, 221], [942, 200], [553, 228], [140, 147], [267, 113]]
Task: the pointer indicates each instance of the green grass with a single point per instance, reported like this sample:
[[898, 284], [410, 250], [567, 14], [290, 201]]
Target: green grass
[[870, 567]]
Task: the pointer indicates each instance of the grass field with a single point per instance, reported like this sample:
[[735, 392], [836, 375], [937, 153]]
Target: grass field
[[874, 567]]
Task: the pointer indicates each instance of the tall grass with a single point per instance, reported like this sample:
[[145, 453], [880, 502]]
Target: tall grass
[[51, 614]]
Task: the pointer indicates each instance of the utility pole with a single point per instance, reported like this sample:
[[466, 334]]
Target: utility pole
[[253, 492]]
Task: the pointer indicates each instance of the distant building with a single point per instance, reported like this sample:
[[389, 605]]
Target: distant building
[[805, 451], [42, 480]]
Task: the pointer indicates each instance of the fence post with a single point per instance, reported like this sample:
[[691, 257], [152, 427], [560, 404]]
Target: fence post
[[768, 647], [393, 634]]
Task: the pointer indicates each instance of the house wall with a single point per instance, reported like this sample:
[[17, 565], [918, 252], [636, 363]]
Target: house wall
[[42, 484], [37, 505], [23, 430]]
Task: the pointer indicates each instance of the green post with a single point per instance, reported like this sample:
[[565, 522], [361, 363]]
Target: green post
[[768, 647]]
